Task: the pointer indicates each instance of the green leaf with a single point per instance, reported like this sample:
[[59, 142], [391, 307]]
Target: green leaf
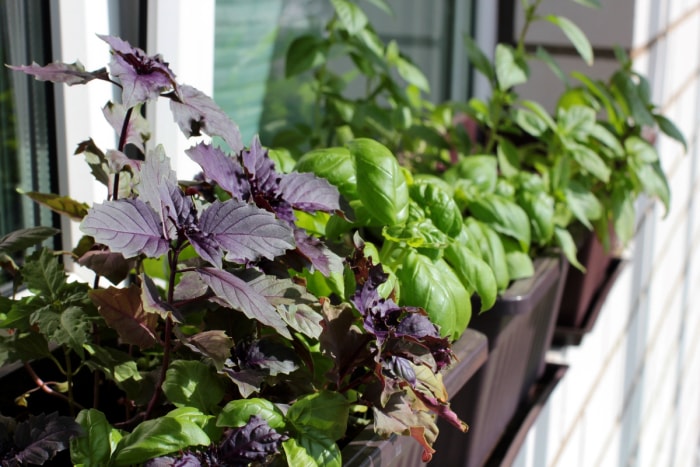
[[670, 130], [543, 55], [474, 273], [511, 69], [605, 136], [71, 327], [508, 158], [519, 263], [480, 171], [381, 185], [418, 231], [92, 449], [602, 93], [435, 287], [438, 206], [116, 365], [582, 203], [636, 107], [623, 214], [492, 251], [44, 275], [75, 210], [158, 437], [654, 183], [568, 247], [24, 238], [504, 216], [205, 422], [641, 151], [350, 15], [333, 164], [193, 384], [478, 59], [575, 35], [590, 161], [576, 122], [412, 74], [304, 53], [530, 122], [541, 113], [312, 449], [237, 413], [325, 412], [539, 207]]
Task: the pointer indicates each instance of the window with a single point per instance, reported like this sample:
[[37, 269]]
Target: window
[[27, 142], [252, 36]]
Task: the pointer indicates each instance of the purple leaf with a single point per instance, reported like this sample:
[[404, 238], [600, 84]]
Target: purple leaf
[[342, 340], [126, 226], [57, 72], [317, 253], [244, 231], [123, 311], [197, 113], [260, 167], [117, 160], [266, 355], [159, 188], [137, 130], [214, 344], [402, 368], [42, 436], [241, 296], [190, 286], [111, 265], [153, 303], [253, 442], [142, 77], [224, 170], [293, 303], [247, 381], [307, 192]]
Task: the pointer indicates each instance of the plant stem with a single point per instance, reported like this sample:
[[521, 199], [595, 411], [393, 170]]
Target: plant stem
[[120, 148], [69, 378], [529, 19], [47, 389], [167, 338]]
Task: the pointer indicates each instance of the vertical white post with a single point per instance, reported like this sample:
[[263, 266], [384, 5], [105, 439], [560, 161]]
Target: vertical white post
[[183, 33]]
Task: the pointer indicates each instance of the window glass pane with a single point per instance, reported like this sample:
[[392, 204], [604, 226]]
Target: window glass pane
[[26, 114], [252, 36], [251, 39]]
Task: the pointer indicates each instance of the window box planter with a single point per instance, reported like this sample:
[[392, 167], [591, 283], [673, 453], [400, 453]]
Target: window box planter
[[584, 293], [369, 449], [519, 329], [526, 416], [573, 335]]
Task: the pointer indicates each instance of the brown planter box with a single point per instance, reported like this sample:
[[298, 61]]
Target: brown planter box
[[368, 449], [519, 329], [581, 288], [509, 446], [573, 335]]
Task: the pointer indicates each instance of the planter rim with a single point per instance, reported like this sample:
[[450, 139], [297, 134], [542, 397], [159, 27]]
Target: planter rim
[[547, 271]]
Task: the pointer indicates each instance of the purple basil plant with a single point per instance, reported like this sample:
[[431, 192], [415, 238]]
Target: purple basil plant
[[218, 353]]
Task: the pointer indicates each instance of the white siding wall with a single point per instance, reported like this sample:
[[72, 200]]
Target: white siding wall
[[632, 393]]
